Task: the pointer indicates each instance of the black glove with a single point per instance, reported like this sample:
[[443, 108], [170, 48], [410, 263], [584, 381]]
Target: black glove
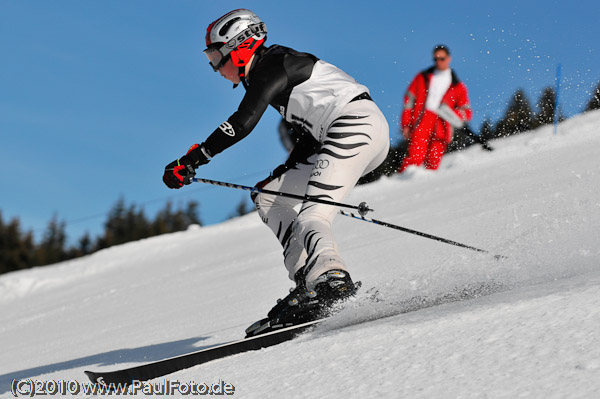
[[183, 170]]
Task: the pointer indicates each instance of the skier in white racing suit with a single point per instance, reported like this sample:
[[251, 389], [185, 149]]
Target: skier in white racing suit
[[343, 136]]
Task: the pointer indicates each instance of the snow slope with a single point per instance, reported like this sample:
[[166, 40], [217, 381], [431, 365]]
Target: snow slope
[[453, 323]]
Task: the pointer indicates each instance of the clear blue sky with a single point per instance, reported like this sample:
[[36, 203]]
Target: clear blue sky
[[97, 96]]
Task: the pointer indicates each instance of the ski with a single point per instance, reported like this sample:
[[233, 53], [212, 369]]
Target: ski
[[266, 338], [160, 368]]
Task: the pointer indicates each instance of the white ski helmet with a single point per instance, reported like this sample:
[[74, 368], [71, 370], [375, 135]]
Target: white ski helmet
[[237, 34]]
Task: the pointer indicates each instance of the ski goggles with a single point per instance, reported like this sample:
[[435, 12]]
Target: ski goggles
[[216, 59], [218, 54]]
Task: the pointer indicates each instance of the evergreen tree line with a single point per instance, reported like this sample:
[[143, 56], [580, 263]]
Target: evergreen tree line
[[124, 223], [519, 117]]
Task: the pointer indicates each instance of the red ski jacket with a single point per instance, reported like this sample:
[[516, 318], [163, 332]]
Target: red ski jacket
[[454, 110]]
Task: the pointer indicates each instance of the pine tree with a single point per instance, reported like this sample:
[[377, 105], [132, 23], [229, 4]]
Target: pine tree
[[594, 102], [52, 248], [487, 131], [165, 221], [136, 225], [114, 227], [546, 108], [84, 246], [169, 221], [16, 249], [124, 224], [518, 116], [191, 213]]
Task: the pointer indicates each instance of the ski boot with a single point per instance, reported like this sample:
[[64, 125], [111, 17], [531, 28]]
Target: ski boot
[[304, 304]]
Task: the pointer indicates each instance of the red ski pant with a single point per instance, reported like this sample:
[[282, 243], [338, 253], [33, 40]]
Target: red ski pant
[[425, 146]]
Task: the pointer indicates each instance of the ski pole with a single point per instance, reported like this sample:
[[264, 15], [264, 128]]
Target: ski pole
[[418, 233], [362, 208]]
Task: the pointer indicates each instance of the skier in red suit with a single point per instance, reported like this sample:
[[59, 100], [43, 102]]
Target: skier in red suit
[[435, 103]]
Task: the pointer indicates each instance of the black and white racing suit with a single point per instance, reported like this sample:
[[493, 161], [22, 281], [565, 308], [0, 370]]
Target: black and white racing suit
[[344, 136]]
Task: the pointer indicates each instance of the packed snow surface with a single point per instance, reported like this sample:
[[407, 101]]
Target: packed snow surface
[[449, 322]]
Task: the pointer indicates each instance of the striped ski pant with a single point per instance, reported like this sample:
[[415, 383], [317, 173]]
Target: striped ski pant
[[355, 144]]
